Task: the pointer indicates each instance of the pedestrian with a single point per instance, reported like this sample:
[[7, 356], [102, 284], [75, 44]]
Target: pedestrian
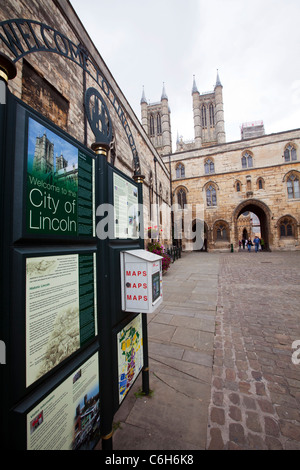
[[249, 244], [262, 244], [240, 244], [243, 242], [256, 243]]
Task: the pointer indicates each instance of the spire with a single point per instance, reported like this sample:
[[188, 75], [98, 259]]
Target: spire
[[194, 89], [164, 94], [218, 82], [143, 99]]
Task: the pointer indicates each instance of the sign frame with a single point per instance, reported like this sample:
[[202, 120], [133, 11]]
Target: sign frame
[[18, 317], [21, 117]]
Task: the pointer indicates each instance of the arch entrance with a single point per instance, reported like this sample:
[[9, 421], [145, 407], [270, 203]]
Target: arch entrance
[[262, 211]]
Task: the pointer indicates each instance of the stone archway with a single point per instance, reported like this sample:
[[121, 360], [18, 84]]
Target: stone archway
[[263, 212]]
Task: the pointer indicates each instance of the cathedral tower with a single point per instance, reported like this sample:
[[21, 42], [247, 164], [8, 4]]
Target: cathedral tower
[[157, 122], [208, 113]]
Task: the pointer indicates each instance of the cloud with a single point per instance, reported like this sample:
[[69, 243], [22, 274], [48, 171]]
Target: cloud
[[255, 45]]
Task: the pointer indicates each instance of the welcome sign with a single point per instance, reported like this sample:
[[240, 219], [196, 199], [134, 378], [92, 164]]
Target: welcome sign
[[60, 193]]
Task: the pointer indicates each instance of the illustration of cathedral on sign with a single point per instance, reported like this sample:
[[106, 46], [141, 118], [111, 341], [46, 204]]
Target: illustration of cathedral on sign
[[43, 163]]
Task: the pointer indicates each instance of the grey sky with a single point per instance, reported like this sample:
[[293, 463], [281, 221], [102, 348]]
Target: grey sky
[[254, 44]]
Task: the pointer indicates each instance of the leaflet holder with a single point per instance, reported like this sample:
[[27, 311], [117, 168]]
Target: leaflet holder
[[141, 281]]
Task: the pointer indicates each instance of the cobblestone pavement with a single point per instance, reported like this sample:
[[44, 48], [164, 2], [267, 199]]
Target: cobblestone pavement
[[255, 388]]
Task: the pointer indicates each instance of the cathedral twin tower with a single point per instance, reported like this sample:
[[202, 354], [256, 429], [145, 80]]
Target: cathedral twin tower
[[208, 113]]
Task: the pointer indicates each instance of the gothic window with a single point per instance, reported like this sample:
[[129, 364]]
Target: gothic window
[[238, 186], [290, 153], [211, 115], [158, 124], [293, 188], [160, 204], [286, 227], [260, 183], [151, 125], [221, 232], [209, 167], [151, 188], [181, 198], [211, 196], [203, 116], [180, 171], [247, 160]]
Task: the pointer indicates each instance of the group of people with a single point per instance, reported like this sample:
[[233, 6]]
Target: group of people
[[247, 244]]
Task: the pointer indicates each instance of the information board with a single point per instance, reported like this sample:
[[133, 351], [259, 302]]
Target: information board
[[125, 200], [61, 306], [60, 194], [130, 355], [69, 417]]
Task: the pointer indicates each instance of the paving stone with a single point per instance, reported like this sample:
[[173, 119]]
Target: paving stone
[[236, 433], [216, 441], [253, 422], [271, 427], [235, 413], [217, 415]]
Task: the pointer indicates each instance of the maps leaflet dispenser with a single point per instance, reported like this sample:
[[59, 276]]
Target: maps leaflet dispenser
[[141, 281]]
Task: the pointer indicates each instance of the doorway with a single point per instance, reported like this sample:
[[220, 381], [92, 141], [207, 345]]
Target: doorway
[[263, 213]]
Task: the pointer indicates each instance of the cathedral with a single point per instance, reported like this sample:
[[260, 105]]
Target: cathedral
[[246, 188]]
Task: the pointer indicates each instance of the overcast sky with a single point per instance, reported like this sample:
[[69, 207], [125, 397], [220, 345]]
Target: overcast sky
[[255, 45]]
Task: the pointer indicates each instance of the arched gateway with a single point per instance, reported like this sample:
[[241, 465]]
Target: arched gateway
[[262, 211]]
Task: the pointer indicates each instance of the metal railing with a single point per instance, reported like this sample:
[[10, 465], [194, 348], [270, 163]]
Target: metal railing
[[174, 252]]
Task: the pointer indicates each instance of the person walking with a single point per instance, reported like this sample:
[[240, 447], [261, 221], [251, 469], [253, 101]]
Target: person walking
[[262, 244], [256, 243], [249, 244]]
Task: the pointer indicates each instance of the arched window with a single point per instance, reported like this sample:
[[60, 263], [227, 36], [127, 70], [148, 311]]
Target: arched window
[[221, 232], [286, 227], [247, 160], [260, 183], [209, 167], [151, 125], [180, 171], [203, 116], [181, 198], [290, 153], [293, 188], [158, 118], [211, 196], [151, 188], [238, 186], [211, 115]]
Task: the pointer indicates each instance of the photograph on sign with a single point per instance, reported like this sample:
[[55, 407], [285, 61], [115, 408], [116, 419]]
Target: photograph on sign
[[60, 197], [130, 355], [125, 208], [69, 417], [60, 309]]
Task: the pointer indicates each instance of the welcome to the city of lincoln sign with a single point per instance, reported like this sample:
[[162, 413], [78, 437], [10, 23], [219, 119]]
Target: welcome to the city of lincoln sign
[[23, 36]]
